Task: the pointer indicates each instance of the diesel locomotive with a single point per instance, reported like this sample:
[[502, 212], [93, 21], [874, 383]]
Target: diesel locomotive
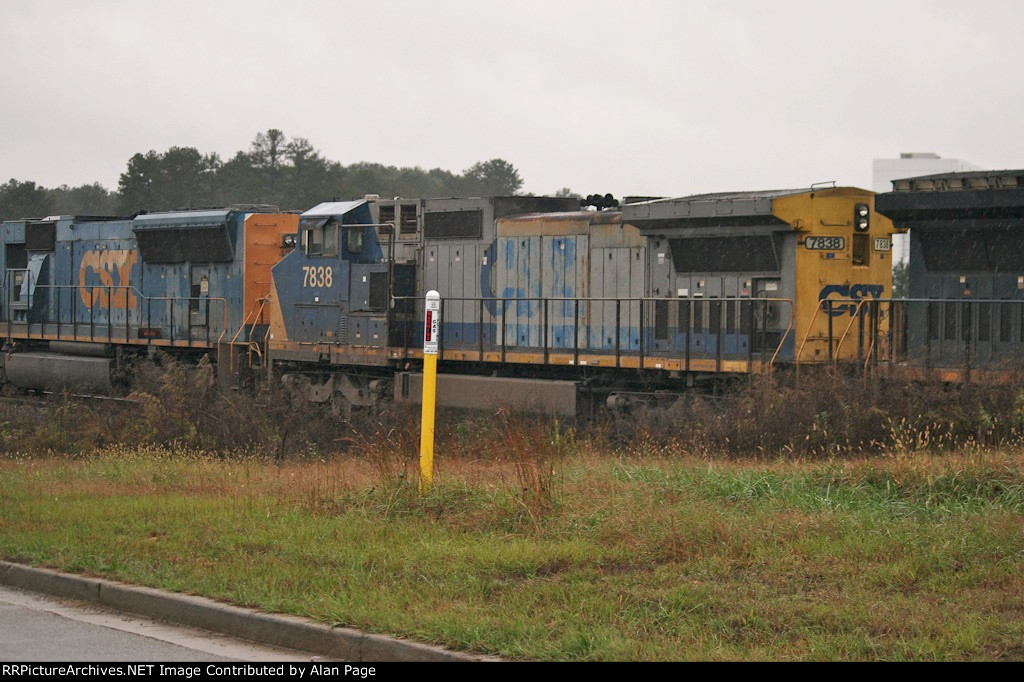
[[563, 310], [82, 297]]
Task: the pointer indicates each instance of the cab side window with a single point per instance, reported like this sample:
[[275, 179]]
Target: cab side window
[[355, 239], [321, 240]]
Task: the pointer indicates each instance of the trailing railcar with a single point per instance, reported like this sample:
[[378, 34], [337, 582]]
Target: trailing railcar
[[964, 316], [80, 295]]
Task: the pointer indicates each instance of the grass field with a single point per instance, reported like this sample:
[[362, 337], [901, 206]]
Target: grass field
[[547, 548]]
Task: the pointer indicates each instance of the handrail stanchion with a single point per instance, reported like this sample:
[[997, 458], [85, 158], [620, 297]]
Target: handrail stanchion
[[831, 330], [618, 332], [642, 325], [689, 332], [545, 336], [504, 311], [718, 335], [928, 334], [785, 335], [576, 333], [480, 331]]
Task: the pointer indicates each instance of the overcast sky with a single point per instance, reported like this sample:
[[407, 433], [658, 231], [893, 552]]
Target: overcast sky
[[660, 97]]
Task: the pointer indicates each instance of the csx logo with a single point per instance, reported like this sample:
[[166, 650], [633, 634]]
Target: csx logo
[[853, 292], [111, 291]]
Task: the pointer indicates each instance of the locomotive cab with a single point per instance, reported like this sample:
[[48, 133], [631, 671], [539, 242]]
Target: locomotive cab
[[329, 306], [331, 293]]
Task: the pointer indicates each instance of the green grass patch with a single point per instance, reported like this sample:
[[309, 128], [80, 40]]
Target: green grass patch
[[565, 555]]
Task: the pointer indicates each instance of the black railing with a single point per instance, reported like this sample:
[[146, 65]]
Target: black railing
[[100, 314], [687, 330], [951, 333]]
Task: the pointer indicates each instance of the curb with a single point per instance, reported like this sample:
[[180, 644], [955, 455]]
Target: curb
[[289, 632]]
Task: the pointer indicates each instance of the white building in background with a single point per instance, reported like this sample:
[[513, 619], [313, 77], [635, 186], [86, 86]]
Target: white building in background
[[911, 165]]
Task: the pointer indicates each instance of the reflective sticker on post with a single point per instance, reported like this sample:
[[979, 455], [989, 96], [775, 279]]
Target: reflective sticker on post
[[432, 323]]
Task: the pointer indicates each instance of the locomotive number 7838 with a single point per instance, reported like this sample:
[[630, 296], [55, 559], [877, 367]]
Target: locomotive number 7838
[[313, 276]]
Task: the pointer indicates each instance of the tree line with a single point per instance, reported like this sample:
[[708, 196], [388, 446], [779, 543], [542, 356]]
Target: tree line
[[276, 170]]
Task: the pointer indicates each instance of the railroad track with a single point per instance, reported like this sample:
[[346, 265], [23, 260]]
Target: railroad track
[[44, 398]]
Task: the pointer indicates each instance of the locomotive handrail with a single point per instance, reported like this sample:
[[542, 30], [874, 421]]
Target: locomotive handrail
[[145, 304], [854, 316], [782, 340], [807, 334], [857, 314], [874, 333], [966, 337], [266, 337], [256, 345], [542, 327], [822, 304], [224, 329], [257, 314], [899, 308], [245, 320]]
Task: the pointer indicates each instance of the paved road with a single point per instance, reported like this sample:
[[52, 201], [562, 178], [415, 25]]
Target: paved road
[[39, 628]]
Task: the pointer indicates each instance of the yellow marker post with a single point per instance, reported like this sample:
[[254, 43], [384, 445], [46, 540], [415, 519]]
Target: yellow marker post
[[431, 338]]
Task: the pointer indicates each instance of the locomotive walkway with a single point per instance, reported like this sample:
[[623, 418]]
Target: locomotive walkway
[[275, 630]]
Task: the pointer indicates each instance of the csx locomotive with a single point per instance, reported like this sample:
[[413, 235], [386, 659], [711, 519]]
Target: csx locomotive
[[83, 296], [545, 305]]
